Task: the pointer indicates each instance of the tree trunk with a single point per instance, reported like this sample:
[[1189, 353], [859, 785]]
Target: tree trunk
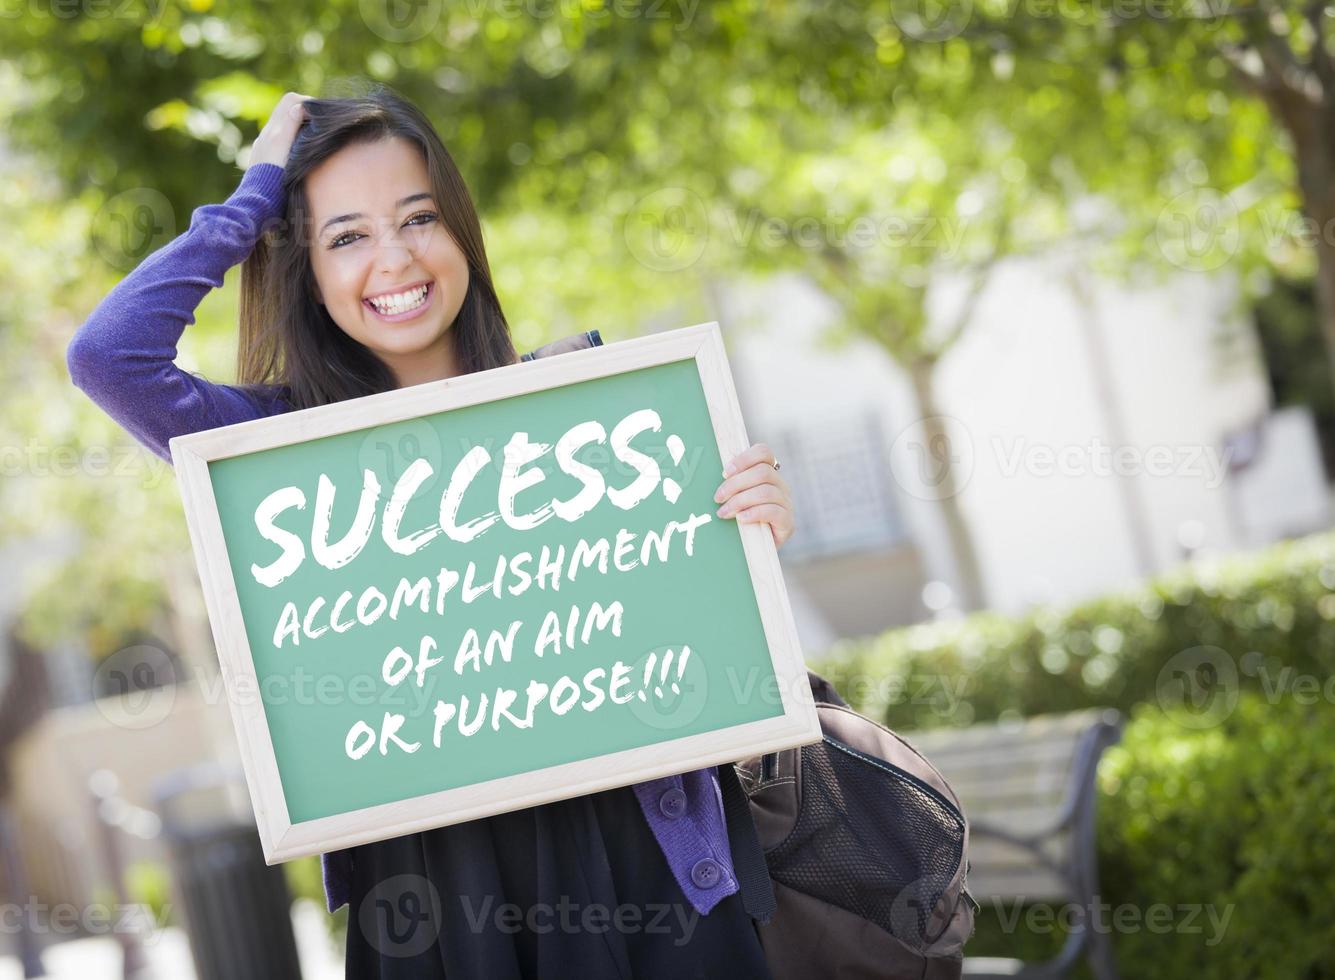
[[1325, 287], [1310, 126], [968, 582], [1129, 490]]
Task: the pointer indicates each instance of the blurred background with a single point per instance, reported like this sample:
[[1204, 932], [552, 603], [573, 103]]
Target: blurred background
[[1034, 299]]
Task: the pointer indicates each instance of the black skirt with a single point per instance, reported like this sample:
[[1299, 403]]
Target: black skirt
[[577, 888]]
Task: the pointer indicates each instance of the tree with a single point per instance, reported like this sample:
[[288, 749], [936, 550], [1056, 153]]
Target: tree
[[1208, 128], [589, 136]]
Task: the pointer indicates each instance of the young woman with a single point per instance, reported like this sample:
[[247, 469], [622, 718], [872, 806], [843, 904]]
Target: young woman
[[365, 271]]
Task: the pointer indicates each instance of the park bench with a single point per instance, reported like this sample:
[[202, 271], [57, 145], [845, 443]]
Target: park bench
[[1029, 794]]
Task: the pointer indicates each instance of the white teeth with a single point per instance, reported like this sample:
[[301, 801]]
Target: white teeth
[[400, 302]]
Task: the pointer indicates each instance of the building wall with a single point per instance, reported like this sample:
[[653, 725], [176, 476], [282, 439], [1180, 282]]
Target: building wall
[[1052, 374], [1063, 376], [825, 410]]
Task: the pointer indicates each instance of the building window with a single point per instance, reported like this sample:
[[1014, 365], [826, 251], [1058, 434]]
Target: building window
[[843, 493]]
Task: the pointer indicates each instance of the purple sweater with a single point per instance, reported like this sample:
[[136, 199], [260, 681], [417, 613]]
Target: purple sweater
[[124, 357]]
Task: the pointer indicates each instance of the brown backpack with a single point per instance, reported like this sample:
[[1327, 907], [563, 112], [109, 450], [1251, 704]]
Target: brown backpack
[[851, 854]]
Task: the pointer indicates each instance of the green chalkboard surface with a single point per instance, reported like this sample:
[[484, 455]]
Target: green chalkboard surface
[[532, 585]]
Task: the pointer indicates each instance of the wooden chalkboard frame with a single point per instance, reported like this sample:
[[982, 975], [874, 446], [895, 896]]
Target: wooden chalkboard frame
[[283, 840]]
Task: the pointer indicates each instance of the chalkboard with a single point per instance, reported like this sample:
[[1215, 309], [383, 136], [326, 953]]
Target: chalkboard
[[489, 592]]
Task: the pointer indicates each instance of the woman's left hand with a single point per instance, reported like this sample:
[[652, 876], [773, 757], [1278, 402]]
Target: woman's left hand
[[754, 491]]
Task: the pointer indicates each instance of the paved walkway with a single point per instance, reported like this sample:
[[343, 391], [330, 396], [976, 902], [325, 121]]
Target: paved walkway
[[168, 952]]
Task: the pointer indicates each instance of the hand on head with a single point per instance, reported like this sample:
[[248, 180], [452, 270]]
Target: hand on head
[[275, 140]]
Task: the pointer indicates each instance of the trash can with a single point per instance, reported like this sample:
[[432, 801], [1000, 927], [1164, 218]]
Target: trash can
[[236, 909]]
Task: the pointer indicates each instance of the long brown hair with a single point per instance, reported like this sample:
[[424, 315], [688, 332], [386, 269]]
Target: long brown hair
[[289, 345]]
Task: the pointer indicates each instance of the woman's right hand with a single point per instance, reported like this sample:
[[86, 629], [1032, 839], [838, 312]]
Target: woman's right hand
[[275, 139]]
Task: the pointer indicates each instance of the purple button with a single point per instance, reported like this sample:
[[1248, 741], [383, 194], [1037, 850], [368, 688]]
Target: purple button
[[707, 873], [672, 803]]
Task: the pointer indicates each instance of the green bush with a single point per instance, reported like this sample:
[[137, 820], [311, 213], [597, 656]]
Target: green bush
[[1267, 618], [1214, 850], [1221, 796], [1235, 818]]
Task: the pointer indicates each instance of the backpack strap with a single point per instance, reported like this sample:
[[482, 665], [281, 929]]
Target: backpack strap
[[823, 691], [577, 341], [748, 858]]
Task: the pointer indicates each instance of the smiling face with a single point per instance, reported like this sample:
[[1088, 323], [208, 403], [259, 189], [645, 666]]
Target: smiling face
[[386, 267]]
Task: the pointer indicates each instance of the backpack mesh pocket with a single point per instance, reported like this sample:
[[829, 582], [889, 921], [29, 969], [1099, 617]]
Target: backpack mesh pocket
[[871, 839]]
